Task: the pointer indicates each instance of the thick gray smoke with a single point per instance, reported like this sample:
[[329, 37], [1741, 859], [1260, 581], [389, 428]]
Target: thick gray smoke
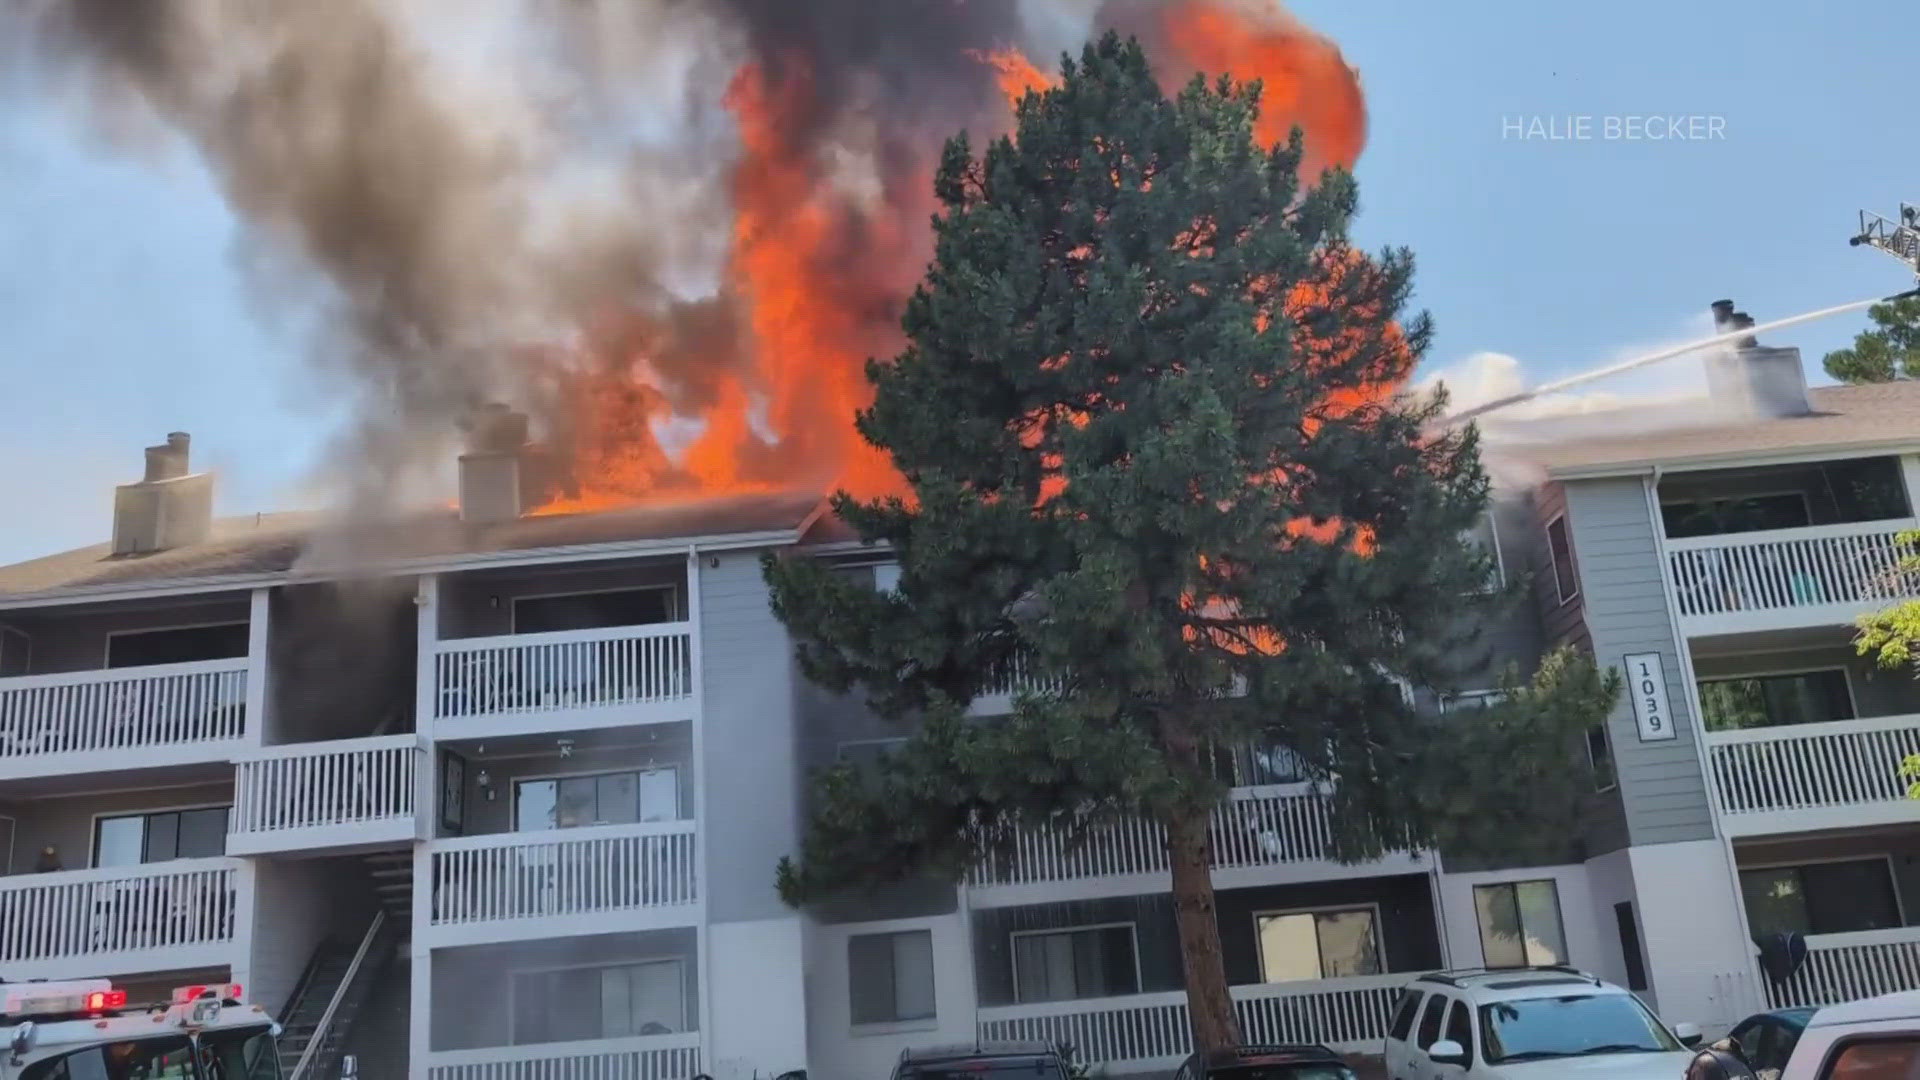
[[488, 200]]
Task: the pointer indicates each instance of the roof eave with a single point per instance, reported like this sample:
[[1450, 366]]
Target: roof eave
[[160, 587], [1812, 452]]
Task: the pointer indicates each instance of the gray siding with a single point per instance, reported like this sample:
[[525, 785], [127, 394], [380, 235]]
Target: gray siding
[[67, 822], [75, 639], [490, 810], [1876, 690], [1626, 612], [752, 813], [471, 986], [481, 604]]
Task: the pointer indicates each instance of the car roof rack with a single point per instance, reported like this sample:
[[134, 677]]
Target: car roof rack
[[1453, 977]]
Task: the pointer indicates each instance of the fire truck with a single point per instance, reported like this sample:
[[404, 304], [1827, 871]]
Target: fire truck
[[85, 1029]]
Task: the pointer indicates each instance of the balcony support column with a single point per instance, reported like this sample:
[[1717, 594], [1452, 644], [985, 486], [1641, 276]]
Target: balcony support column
[[258, 641]]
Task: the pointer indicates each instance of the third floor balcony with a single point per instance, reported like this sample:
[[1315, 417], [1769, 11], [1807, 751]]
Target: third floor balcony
[[115, 688]]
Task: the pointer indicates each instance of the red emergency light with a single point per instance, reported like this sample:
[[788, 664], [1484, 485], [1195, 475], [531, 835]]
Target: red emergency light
[[221, 991], [101, 1000]]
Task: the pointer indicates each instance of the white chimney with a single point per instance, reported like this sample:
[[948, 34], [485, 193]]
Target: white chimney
[[168, 508], [1758, 382], [490, 481]]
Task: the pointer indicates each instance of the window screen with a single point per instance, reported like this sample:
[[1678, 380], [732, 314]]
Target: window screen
[[1562, 550], [1081, 963], [592, 611], [890, 977], [177, 646], [1318, 945], [1520, 924], [1806, 697]]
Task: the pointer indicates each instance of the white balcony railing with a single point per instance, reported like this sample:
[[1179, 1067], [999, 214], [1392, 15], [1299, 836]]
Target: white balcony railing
[[646, 1057], [1784, 569], [345, 783], [1761, 774], [140, 708], [88, 914], [1256, 827], [1848, 967], [566, 670], [1151, 1031], [591, 871]]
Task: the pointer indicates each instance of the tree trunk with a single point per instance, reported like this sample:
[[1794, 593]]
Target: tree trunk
[[1190, 853]]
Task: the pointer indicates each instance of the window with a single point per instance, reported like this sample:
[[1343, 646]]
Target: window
[[132, 839], [1561, 548], [1084, 962], [865, 752], [594, 610], [890, 977], [177, 645], [614, 1001], [1575, 1025], [1430, 1020], [1630, 945], [1712, 517], [1892, 1058], [1460, 1026], [1600, 757], [1466, 700], [1753, 701], [615, 798], [1404, 1013], [1820, 898], [886, 577], [1520, 924], [1317, 944], [1485, 535], [1256, 765]]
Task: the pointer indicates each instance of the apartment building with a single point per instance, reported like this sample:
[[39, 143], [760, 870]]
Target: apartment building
[[484, 794]]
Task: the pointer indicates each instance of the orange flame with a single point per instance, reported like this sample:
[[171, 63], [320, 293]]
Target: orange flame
[[1017, 75]]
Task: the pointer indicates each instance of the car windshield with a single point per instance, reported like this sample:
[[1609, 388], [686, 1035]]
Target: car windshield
[[1572, 1026], [1039, 1068], [241, 1054], [1304, 1070]]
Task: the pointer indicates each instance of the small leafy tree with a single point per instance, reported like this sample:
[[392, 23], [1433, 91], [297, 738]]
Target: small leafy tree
[[1889, 351], [1146, 409]]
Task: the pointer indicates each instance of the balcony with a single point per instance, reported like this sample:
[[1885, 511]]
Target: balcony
[[1261, 836], [1801, 777], [168, 915], [568, 680], [1151, 1032], [122, 718], [1779, 579], [646, 1057], [327, 797], [1848, 967], [562, 882]]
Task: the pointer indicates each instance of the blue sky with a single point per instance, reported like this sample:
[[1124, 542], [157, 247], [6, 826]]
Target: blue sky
[[124, 317]]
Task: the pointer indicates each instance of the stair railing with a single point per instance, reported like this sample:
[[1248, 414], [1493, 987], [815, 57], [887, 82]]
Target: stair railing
[[310, 1053]]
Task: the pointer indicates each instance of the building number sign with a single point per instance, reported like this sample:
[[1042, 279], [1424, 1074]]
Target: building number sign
[[1647, 686]]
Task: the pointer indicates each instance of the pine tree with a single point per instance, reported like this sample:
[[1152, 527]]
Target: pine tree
[[1146, 411], [1890, 351]]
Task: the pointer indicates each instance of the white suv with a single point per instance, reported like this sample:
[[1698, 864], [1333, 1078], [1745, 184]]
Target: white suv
[[1527, 1023]]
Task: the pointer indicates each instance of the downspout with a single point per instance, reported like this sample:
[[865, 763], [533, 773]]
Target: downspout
[[1690, 687], [702, 821]]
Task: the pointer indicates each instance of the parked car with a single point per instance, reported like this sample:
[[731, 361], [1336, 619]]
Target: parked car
[[1301, 1062], [983, 1061], [1874, 1039], [1765, 1040], [1510, 1024]]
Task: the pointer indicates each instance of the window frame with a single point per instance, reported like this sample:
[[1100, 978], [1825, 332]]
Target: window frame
[[1611, 781], [1559, 914], [1465, 700], [1372, 907], [513, 989], [679, 809], [886, 576], [93, 831], [1013, 953], [887, 1027], [1499, 560], [1885, 858], [672, 589], [106, 646], [1418, 1000], [1437, 1004], [1553, 560], [1846, 677]]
